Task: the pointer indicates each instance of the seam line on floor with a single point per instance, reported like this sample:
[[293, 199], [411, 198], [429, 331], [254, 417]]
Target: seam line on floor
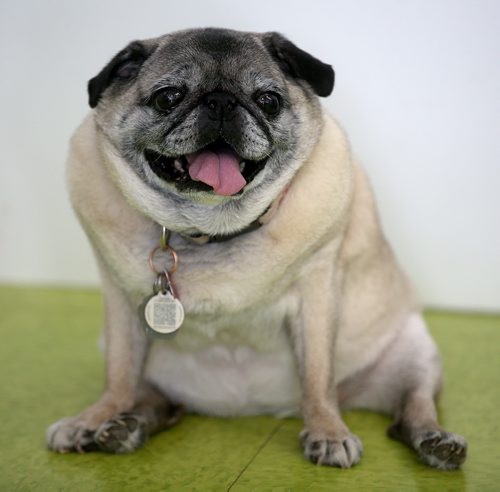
[[260, 448]]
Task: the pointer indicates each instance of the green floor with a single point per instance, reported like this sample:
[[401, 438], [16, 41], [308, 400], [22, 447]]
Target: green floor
[[50, 367]]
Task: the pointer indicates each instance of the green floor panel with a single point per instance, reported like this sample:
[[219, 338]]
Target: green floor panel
[[386, 465], [50, 367]]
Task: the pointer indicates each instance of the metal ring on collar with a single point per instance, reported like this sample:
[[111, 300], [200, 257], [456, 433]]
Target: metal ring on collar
[[161, 270]]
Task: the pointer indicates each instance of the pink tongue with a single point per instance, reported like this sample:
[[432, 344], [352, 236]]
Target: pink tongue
[[220, 170]]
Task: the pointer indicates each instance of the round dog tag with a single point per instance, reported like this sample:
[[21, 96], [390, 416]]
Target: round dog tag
[[164, 313]]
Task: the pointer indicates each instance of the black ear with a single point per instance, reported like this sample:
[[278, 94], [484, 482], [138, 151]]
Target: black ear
[[299, 64], [124, 66]]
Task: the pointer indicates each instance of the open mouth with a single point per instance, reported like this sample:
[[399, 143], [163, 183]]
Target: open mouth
[[216, 168]]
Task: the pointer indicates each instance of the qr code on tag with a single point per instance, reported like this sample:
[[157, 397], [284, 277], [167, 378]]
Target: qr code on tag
[[165, 314]]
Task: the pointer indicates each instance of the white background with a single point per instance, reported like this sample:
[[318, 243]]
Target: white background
[[417, 89]]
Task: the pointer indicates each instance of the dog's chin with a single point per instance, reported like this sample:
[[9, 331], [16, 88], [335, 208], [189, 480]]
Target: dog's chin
[[174, 170]]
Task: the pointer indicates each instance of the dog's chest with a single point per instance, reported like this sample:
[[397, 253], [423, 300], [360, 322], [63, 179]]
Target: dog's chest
[[261, 327], [232, 355], [217, 291], [230, 365]]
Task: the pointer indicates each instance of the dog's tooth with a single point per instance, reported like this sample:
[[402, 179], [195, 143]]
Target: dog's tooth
[[242, 166], [178, 165]]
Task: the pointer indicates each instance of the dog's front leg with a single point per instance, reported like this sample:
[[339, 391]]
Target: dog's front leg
[[326, 439], [126, 349]]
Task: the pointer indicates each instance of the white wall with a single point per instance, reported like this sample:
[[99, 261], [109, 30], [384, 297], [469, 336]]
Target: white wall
[[417, 88]]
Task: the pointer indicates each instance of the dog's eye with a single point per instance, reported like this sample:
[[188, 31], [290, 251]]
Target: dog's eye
[[269, 103], [166, 99]]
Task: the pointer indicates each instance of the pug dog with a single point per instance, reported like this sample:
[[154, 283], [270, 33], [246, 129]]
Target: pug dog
[[243, 265]]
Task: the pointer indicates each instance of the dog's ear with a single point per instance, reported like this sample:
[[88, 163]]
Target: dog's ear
[[299, 64], [123, 67]]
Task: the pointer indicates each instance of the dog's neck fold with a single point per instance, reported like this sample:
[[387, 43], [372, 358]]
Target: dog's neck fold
[[260, 221]]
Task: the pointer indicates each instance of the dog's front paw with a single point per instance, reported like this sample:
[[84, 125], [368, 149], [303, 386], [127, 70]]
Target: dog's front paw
[[343, 451], [122, 434], [70, 434]]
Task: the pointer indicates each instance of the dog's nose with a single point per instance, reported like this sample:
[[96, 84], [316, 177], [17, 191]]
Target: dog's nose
[[221, 105]]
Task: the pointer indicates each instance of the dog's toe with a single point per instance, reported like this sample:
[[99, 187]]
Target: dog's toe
[[343, 452], [442, 449], [123, 434]]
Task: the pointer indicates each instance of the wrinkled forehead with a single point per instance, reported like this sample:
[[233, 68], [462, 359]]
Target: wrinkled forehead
[[209, 60]]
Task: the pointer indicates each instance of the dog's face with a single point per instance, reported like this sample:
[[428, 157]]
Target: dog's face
[[210, 118]]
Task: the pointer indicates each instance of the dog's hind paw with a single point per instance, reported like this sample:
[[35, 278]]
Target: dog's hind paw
[[122, 434], [441, 449]]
